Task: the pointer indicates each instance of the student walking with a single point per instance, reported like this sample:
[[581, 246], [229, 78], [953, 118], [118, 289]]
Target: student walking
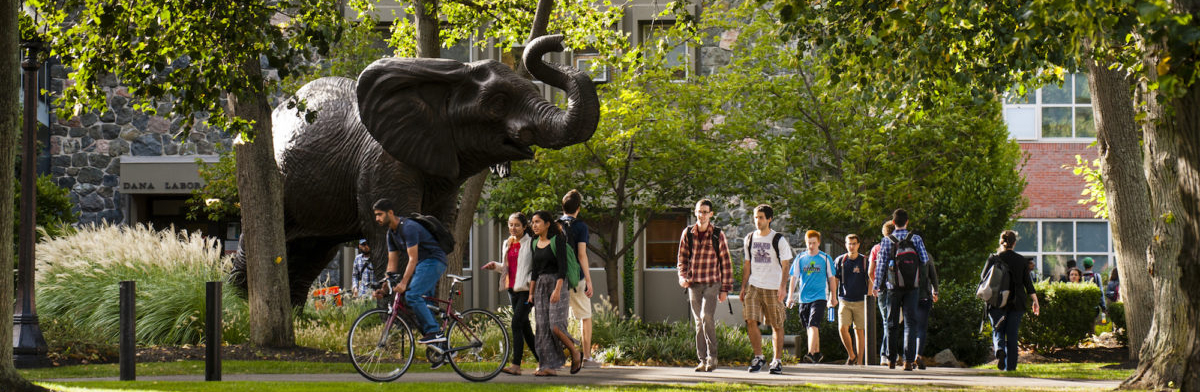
[[516, 269], [1006, 320], [901, 256], [928, 296], [765, 257], [850, 278], [581, 295], [364, 270], [550, 297], [884, 295], [813, 270], [706, 271]]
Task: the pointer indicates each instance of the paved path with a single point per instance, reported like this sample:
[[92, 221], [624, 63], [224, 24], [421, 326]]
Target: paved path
[[625, 375]]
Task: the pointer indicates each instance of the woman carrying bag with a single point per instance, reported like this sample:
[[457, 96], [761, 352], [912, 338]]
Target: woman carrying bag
[[1006, 320], [515, 270], [550, 297]]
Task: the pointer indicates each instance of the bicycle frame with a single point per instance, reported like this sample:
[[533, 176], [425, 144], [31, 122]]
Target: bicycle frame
[[452, 316]]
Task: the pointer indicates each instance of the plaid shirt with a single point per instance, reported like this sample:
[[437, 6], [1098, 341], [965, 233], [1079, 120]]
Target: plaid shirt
[[709, 263]]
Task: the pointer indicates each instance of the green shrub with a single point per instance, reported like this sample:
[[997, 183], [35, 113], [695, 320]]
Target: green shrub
[[327, 328], [79, 275], [631, 341], [830, 338], [1116, 316], [954, 324], [1068, 312]]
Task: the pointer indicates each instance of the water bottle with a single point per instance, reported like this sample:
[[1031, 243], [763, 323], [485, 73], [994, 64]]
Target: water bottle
[[831, 314]]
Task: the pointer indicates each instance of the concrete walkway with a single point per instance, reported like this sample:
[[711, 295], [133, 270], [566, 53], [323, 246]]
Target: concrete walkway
[[626, 375]]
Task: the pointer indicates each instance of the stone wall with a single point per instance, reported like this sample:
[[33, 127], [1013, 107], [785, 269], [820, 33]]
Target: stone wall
[[86, 150]]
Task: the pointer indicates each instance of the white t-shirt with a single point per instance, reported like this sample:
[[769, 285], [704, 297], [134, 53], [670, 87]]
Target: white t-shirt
[[765, 269]]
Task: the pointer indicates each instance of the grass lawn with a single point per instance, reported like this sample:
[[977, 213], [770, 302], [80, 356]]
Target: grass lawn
[[199, 386], [1070, 370]]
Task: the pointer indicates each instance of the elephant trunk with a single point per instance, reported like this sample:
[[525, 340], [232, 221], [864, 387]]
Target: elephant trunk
[[558, 128]]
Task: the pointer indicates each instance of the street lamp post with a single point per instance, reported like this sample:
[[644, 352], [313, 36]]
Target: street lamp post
[[29, 348]]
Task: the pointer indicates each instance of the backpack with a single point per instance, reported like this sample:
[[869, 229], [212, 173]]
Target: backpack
[[573, 272], [435, 227], [565, 223], [994, 284], [774, 244], [905, 271]]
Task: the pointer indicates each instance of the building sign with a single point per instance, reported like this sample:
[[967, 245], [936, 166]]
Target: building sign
[[162, 175]]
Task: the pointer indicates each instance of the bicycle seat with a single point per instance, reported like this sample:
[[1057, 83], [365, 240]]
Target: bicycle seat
[[459, 278]]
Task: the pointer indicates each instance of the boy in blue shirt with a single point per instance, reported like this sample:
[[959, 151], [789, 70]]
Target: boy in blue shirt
[[813, 270], [425, 267]]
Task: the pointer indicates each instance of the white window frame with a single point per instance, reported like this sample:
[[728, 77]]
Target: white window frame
[[1039, 254], [1039, 104]]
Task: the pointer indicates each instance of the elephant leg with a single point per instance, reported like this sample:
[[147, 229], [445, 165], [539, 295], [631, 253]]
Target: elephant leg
[[306, 258]]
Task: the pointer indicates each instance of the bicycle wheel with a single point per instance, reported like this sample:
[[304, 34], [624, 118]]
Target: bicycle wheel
[[478, 344], [379, 351]]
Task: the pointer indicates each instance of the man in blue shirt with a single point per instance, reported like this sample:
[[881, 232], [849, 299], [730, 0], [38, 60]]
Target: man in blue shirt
[[364, 270], [426, 264], [813, 270], [850, 277], [901, 299]]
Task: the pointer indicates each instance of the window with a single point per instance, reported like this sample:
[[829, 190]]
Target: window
[[1052, 242], [1052, 112], [676, 55], [583, 62], [460, 51], [662, 239]]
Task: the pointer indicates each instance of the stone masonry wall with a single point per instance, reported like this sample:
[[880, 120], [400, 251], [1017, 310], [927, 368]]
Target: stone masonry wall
[[86, 151]]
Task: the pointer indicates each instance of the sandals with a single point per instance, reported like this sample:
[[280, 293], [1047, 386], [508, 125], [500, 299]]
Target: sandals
[[544, 373], [510, 370], [576, 362]]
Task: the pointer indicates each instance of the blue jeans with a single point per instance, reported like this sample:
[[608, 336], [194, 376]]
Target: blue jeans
[[423, 283], [903, 301], [885, 312], [924, 306], [1004, 336]]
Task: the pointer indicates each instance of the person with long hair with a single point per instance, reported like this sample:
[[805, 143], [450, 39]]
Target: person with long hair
[[548, 284], [1074, 275], [515, 269], [1006, 320]]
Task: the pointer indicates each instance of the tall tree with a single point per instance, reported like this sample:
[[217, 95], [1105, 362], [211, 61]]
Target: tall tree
[[203, 61], [993, 44], [10, 128]]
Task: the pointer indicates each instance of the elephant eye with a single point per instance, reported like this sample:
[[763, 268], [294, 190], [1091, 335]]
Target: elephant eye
[[496, 105]]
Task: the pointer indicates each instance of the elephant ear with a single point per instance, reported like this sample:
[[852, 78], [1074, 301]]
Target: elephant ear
[[402, 102]]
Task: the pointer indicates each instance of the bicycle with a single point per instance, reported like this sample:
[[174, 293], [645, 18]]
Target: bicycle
[[381, 344]]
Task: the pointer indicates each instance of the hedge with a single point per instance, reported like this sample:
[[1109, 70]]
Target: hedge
[[1068, 313]]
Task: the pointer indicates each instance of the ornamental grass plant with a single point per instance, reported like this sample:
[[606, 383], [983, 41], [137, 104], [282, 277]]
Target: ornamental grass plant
[[78, 286]]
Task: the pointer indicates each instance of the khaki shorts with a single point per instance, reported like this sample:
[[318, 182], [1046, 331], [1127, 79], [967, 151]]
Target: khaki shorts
[[852, 313], [581, 305], [760, 303]]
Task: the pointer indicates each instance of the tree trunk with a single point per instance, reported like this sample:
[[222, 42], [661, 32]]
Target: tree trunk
[[428, 42], [1172, 179], [1119, 141], [464, 218], [10, 124], [260, 188]]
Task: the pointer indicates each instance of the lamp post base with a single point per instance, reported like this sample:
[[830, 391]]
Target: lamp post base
[[29, 350]]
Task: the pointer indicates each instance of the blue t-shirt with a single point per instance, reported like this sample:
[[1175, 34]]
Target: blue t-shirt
[[410, 233], [813, 272], [852, 277]]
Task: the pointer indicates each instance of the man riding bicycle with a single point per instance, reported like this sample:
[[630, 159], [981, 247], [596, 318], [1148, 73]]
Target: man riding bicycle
[[426, 265]]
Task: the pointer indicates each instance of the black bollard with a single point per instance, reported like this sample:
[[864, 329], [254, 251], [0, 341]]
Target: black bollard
[[872, 334], [128, 342], [212, 332]]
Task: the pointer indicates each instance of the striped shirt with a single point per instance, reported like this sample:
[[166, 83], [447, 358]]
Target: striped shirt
[[706, 260]]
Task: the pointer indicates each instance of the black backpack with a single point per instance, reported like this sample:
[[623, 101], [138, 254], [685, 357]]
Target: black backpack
[[774, 244], [905, 271], [437, 229]]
